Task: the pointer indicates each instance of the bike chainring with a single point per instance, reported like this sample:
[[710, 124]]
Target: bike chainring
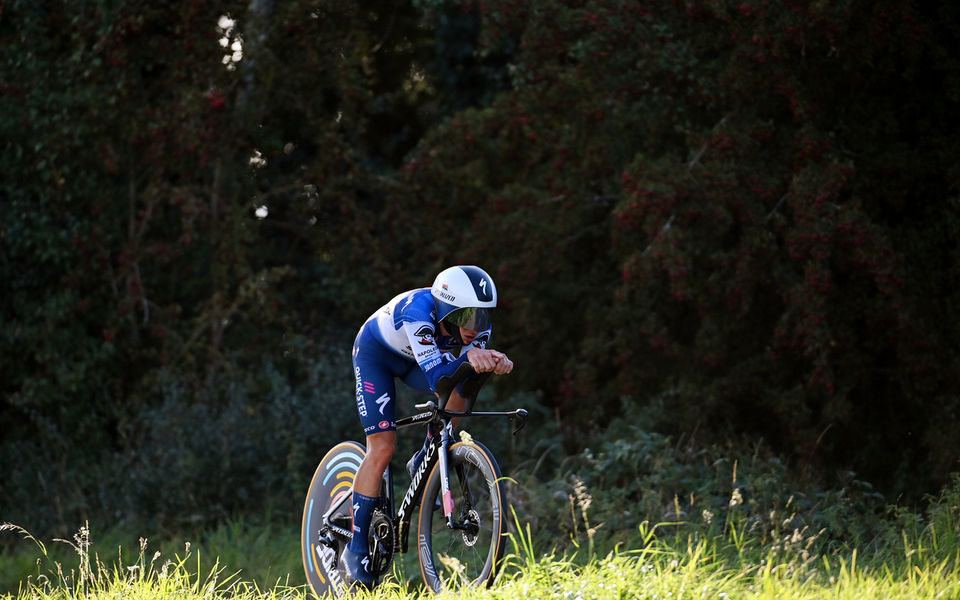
[[381, 539]]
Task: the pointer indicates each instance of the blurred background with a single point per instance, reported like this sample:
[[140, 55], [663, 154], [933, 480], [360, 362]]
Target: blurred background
[[724, 234]]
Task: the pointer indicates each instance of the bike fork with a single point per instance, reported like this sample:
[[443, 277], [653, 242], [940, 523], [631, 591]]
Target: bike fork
[[446, 495], [445, 487]]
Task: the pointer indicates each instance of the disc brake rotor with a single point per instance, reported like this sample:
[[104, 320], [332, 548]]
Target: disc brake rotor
[[470, 537]]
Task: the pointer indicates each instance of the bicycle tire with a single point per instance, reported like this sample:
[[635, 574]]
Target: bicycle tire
[[450, 559], [332, 479]]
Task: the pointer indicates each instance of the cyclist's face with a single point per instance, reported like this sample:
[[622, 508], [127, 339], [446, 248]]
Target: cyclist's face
[[468, 335]]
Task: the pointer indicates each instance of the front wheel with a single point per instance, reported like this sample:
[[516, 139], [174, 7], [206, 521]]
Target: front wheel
[[469, 553]]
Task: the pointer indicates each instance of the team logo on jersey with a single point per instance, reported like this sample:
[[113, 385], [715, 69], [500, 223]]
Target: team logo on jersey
[[382, 402], [425, 336], [482, 340], [361, 403]]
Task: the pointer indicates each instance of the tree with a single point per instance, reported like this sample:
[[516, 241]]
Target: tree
[[687, 200], [716, 220]]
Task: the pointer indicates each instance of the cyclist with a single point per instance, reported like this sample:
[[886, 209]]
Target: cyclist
[[418, 337]]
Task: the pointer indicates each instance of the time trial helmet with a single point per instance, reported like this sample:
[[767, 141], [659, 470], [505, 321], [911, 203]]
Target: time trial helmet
[[463, 297]]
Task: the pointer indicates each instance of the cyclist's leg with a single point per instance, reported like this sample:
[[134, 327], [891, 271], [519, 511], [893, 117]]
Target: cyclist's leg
[[374, 369], [366, 485], [380, 449]]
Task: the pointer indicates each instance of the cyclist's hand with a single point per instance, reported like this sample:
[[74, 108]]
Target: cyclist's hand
[[504, 365], [484, 361]]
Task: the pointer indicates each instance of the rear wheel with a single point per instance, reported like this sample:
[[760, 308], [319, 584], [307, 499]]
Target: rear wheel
[[469, 553], [332, 481]]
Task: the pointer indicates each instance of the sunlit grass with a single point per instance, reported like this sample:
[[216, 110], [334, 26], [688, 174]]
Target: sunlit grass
[[665, 567]]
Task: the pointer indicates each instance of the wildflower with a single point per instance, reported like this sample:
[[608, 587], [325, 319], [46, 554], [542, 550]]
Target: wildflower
[[736, 498], [584, 499]]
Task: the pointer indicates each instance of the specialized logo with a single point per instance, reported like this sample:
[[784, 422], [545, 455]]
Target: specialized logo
[[482, 285], [415, 481], [425, 336], [424, 416], [382, 402]]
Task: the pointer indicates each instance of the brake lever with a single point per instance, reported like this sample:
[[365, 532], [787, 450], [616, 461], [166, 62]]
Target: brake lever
[[519, 415]]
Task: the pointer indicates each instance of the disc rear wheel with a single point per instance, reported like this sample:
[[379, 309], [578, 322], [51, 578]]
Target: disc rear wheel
[[332, 482]]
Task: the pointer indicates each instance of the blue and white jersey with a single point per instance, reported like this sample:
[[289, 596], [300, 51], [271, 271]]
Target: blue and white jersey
[[407, 325]]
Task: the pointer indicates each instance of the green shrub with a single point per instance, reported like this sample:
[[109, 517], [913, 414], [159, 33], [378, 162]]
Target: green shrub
[[603, 497]]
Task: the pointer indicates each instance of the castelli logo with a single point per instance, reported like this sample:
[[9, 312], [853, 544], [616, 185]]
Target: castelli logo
[[384, 424]]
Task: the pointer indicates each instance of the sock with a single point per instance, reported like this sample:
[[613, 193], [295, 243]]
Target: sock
[[362, 512]]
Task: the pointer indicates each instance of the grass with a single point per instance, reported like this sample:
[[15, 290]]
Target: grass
[[666, 565], [566, 545], [262, 555]]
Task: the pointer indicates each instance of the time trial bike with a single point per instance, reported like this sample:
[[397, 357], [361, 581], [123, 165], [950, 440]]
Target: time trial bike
[[458, 486]]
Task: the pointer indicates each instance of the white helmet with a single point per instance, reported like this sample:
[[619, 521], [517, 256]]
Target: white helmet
[[464, 296]]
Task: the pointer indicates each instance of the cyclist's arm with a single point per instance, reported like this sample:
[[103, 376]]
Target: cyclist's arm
[[434, 362]]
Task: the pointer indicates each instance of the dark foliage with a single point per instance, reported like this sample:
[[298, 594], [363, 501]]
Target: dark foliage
[[724, 220]]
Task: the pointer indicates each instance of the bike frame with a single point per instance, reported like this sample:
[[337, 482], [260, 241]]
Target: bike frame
[[438, 421]]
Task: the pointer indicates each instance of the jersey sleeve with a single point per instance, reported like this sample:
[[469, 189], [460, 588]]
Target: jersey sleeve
[[434, 362]]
